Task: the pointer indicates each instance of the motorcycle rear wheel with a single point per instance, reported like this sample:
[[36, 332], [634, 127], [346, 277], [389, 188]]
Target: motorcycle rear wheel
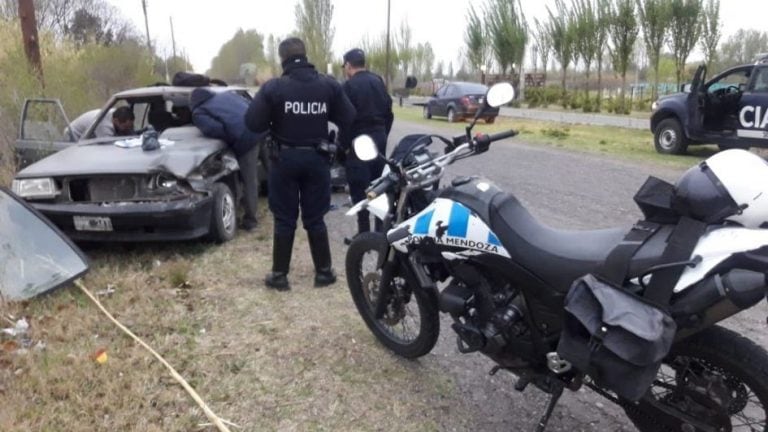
[[419, 322], [717, 377]]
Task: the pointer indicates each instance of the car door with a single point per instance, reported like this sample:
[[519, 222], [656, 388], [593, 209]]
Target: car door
[[753, 109], [439, 104], [44, 130], [695, 103]]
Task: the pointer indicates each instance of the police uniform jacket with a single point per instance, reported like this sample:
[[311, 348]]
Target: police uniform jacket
[[297, 107], [369, 95]]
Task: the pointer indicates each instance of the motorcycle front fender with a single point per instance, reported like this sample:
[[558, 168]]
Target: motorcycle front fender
[[379, 207]]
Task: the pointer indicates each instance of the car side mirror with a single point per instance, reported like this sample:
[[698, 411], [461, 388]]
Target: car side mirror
[[499, 94], [365, 148], [35, 257]]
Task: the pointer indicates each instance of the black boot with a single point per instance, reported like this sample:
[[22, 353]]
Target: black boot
[[281, 263], [321, 256]]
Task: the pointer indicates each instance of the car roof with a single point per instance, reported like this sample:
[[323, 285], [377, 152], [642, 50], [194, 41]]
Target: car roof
[[172, 90]]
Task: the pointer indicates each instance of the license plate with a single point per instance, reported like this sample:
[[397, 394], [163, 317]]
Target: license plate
[[91, 223]]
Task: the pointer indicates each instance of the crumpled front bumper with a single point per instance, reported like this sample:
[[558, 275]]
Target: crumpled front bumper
[[182, 218]]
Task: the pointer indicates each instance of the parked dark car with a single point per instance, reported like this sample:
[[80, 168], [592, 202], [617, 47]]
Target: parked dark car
[[731, 110], [110, 189], [458, 101]]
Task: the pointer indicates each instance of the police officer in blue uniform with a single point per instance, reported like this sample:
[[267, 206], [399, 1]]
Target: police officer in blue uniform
[[296, 109], [374, 117]]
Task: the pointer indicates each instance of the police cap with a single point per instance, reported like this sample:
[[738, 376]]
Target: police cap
[[355, 57]]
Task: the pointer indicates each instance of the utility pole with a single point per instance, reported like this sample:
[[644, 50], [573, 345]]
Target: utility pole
[[173, 37], [386, 74], [146, 25], [30, 39]]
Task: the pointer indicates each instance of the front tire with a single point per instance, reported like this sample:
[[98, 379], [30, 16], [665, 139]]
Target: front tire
[[451, 116], [363, 277], [716, 363], [223, 215], [669, 138]]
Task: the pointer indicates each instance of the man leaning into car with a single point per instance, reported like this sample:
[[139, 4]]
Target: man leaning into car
[[119, 123]]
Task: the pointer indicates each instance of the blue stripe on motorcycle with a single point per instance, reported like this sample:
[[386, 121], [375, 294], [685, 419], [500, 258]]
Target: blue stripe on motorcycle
[[492, 239], [457, 224], [422, 223]]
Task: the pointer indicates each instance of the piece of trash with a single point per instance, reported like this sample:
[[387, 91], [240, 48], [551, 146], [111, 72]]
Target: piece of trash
[[39, 346], [107, 292], [19, 328], [157, 263], [10, 346], [100, 356]]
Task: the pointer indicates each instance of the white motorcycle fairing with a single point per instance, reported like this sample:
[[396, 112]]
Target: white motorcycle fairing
[[450, 223], [378, 207]]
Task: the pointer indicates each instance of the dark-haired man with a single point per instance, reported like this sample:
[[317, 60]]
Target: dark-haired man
[[295, 109], [118, 122], [374, 117]]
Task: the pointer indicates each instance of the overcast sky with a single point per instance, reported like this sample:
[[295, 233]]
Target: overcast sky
[[202, 26]]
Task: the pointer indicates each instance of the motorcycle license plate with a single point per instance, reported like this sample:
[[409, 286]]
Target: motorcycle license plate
[[92, 223]]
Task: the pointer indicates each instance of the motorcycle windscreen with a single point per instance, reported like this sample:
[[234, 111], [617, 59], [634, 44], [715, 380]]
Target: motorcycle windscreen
[[35, 257]]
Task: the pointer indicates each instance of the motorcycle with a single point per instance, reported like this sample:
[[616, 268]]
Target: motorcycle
[[474, 252]]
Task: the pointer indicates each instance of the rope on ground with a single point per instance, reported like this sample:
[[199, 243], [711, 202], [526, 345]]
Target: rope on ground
[[216, 420]]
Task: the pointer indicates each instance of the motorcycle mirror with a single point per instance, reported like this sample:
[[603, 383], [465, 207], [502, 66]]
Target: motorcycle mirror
[[365, 148], [499, 94], [35, 257]]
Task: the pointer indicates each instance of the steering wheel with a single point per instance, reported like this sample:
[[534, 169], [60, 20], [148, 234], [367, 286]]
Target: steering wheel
[[732, 90]]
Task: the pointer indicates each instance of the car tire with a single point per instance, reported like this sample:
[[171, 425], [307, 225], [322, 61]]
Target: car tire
[[451, 116], [426, 112], [669, 138], [490, 120], [223, 215]]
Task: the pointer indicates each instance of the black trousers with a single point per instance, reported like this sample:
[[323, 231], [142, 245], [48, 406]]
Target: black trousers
[[360, 174], [300, 179]]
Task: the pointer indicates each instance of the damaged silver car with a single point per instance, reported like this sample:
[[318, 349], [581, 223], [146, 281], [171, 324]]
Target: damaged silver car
[[110, 189]]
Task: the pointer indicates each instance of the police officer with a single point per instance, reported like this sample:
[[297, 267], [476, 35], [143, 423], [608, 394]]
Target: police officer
[[296, 109], [374, 117]]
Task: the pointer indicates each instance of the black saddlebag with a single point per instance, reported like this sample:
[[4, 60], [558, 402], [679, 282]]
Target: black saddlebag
[[655, 199], [619, 337]]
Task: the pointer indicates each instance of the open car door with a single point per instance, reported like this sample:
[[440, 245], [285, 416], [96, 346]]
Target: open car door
[[35, 257], [44, 129], [695, 103]]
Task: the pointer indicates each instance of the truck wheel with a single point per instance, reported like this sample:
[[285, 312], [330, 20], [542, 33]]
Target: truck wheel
[[223, 215], [669, 137]]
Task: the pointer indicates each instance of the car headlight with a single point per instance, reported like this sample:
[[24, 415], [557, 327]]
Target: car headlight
[[654, 106], [40, 188]]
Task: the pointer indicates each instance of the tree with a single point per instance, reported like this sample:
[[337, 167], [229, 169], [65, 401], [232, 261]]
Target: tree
[[685, 28], [623, 30], [376, 53], [272, 58], [743, 47], [403, 45], [561, 31], [475, 38], [543, 45], [654, 20], [711, 31], [423, 61], [244, 47], [313, 25], [603, 10], [585, 19], [508, 32]]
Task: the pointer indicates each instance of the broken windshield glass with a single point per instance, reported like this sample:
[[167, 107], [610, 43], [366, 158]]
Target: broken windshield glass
[[34, 256]]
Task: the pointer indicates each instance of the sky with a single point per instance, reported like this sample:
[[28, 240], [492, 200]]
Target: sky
[[202, 26]]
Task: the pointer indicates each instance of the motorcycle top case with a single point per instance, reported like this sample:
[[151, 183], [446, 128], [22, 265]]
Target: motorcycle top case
[[614, 336]]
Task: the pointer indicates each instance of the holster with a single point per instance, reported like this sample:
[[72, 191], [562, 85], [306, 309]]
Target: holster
[[328, 149], [273, 148]]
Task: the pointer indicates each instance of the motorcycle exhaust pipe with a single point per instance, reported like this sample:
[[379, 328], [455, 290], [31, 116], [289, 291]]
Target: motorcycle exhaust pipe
[[717, 298]]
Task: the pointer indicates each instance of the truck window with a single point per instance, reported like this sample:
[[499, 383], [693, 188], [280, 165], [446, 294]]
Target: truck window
[[738, 79], [761, 81]]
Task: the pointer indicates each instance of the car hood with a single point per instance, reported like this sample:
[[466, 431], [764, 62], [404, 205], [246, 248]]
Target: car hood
[[100, 157], [673, 96]]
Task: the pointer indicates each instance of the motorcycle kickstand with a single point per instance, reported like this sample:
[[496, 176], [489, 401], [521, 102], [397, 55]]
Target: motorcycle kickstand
[[553, 399]]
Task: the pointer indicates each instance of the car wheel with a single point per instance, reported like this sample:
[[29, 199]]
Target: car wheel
[[451, 116], [490, 120], [427, 112], [224, 214], [669, 137]]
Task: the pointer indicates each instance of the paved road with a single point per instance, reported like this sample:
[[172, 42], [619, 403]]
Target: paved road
[[564, 189], [566, 117]]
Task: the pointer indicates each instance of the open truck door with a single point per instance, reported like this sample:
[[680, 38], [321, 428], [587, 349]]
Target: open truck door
[[696, 102], [44, 129]]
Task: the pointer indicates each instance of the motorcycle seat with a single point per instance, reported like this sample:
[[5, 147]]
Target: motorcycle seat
[[559, 257]]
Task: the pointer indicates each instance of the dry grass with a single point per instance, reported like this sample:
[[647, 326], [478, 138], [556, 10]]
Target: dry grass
[[301, 360], [7, 162]]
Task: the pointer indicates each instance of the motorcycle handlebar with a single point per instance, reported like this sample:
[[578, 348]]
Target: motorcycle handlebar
[[381, 187], [482, 142]]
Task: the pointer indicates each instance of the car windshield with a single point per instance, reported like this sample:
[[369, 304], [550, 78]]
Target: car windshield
[[473, 89]]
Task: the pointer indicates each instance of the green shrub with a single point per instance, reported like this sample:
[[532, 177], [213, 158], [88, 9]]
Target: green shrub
[[559, 132]]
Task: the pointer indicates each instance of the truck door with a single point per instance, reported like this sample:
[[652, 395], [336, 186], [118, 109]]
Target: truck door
[[695, 103], [753, 109], [44, 129]]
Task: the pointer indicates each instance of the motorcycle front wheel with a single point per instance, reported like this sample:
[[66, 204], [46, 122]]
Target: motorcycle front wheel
[[716, 380], [411, 323]]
